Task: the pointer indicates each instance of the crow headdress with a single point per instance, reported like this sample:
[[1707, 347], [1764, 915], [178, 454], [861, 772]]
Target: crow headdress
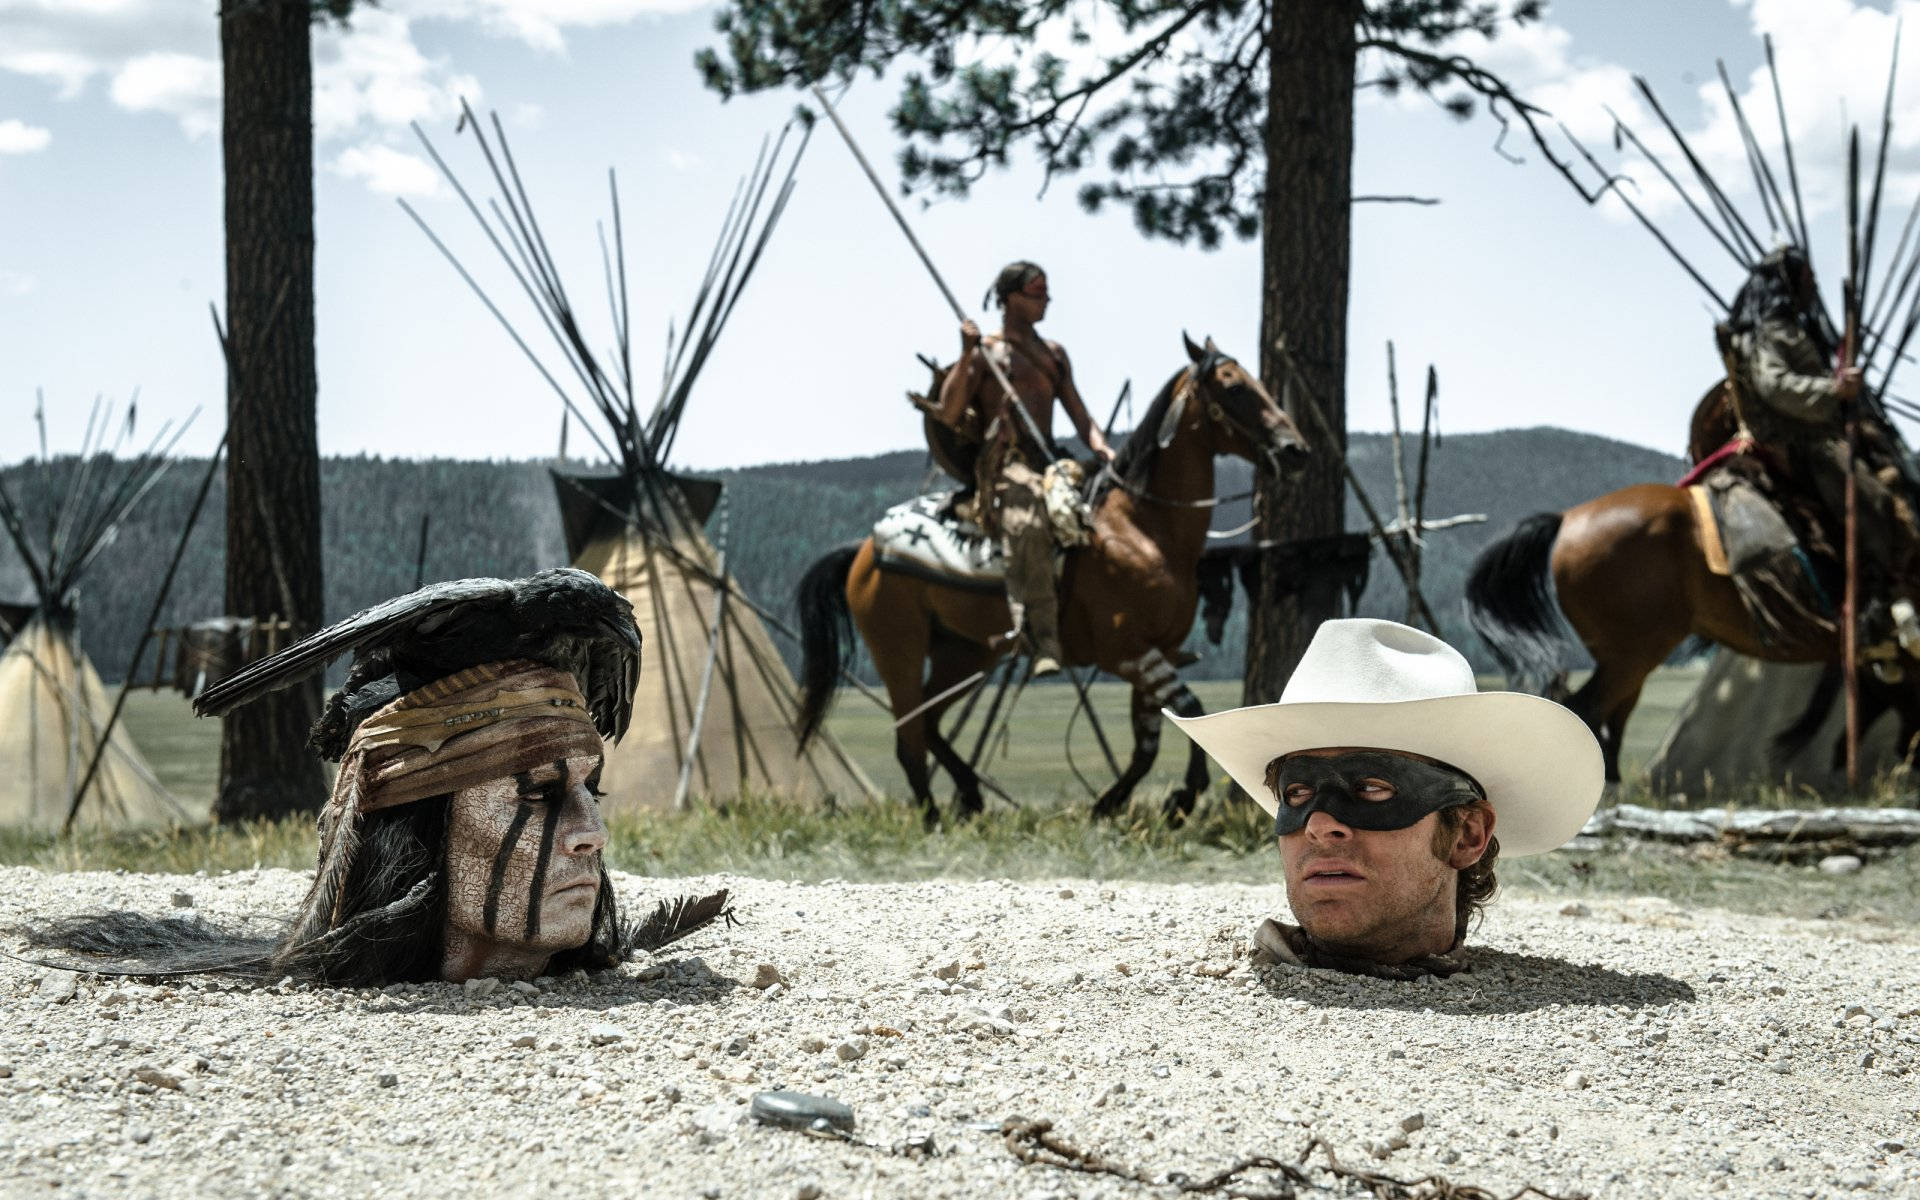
[[562, 618]]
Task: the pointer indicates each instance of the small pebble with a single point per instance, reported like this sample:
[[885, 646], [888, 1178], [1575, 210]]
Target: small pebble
[[1413, 1122], [808, 1190], [766, 975], [948, 971], [1840, 864], [387, 1079], [183, 900], [1065, 893], [1574, 1081], [851, 1049], [605, 1035], [477, 988]]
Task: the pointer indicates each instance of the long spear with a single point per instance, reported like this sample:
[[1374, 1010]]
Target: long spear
[[1013, 397]]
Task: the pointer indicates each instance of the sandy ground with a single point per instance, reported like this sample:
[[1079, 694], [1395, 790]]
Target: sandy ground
[[1613, 1048]]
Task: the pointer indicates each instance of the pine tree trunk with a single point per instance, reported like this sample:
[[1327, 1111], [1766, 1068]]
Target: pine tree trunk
[[1305, 222], [273, 468]]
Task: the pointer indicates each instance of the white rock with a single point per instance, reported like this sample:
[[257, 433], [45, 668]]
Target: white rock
[[57, 987], [1840, 864], [605, 1035], [851, 1049], [1574, 1081]]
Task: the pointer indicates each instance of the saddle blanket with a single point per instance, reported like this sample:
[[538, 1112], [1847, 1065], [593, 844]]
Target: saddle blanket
[[923, 537], [1744, 538]]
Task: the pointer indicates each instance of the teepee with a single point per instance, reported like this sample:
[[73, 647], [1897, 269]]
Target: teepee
[[53, 707], [716, 712]]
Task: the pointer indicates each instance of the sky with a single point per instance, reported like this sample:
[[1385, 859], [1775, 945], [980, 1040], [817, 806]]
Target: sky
[[1535, 308]]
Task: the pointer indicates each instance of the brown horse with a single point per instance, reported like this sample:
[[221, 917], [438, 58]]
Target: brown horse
[[1626, 574], [1127, 598]]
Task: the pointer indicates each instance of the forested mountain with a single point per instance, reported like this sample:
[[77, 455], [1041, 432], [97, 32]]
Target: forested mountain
[[500, 518]]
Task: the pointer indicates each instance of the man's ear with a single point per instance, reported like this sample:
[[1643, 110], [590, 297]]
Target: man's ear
[[1476, 831]]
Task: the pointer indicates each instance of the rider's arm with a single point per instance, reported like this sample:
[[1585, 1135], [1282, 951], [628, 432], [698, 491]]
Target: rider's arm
[[957, 389], [1077, 409], [1812, 398]]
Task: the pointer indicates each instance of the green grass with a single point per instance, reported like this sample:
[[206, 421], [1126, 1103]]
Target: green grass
[[1047, 837], [1032, 764]]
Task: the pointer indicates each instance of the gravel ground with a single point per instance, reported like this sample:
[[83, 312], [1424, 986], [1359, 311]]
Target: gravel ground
[[1613, 1048]]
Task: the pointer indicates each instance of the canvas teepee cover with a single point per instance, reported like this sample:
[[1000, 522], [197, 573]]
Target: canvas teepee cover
[[716, 711], [52, 709], [745, 738], [1724, 733]]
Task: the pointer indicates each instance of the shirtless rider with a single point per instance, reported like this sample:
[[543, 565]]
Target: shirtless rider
[[1012, 462]]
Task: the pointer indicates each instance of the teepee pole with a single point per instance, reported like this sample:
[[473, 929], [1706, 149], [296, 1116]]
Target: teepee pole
[[146, 635], [706, 672]]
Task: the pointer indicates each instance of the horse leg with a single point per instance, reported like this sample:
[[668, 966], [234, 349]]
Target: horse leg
[[899, 655], [1179, 805], [954, 659], [1605, 702], [1154, 684], [1146, 747]]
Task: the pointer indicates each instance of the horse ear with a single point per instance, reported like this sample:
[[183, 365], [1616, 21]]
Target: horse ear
[[1170, 424], [1194, 352], [1211, 348]]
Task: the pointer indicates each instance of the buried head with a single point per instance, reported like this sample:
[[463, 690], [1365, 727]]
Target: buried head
[[1387, 855], [523, 868]]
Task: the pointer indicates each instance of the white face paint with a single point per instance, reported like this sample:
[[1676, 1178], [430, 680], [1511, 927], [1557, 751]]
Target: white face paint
[[523, 869]]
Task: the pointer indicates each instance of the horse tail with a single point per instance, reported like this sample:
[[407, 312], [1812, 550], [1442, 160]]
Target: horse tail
[[826, 635], [1511, 603], [1796, 737]]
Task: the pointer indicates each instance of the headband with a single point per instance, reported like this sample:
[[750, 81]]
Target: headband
[[484, 723]]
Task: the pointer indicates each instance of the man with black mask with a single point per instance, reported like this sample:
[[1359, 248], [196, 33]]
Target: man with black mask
[[1792, 399], [1386, 772]]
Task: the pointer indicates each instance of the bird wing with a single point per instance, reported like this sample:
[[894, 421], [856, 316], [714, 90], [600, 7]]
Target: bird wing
[[416, 613]]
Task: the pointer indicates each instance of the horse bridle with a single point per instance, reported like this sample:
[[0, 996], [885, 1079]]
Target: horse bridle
[[1216, 412]]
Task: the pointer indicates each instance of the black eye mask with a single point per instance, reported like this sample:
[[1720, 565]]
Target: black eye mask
[[1419, 788]]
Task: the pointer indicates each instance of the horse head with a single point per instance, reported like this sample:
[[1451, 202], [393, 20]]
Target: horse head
[[1245, 420]]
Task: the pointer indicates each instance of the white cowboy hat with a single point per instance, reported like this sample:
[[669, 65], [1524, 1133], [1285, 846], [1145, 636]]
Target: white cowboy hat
[[1378, 684]]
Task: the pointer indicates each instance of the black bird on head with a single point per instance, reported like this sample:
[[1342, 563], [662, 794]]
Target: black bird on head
[[562, 617]]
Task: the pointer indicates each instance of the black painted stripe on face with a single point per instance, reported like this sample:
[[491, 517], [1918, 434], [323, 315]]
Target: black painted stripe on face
[[501, 857], [549, 826]]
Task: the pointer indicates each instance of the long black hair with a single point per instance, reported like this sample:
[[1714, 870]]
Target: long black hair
[[389, 927], [1772, 293]]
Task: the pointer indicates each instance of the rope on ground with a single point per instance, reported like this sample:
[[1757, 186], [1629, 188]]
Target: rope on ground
[[1035, 1143]]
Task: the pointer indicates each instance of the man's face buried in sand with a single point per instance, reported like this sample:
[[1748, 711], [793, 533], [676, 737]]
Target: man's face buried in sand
[[1387, 895], [523, 869]]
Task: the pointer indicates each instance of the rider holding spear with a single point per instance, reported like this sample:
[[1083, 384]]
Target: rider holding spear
[[1013, 459]]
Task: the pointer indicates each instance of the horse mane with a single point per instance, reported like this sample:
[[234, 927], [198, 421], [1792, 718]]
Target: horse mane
[[1134, 462]]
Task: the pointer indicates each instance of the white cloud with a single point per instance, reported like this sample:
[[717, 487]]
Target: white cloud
[[185, 87], [542, 23], [387, 171], [373, 76], [1832, 56], [18, 137]]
